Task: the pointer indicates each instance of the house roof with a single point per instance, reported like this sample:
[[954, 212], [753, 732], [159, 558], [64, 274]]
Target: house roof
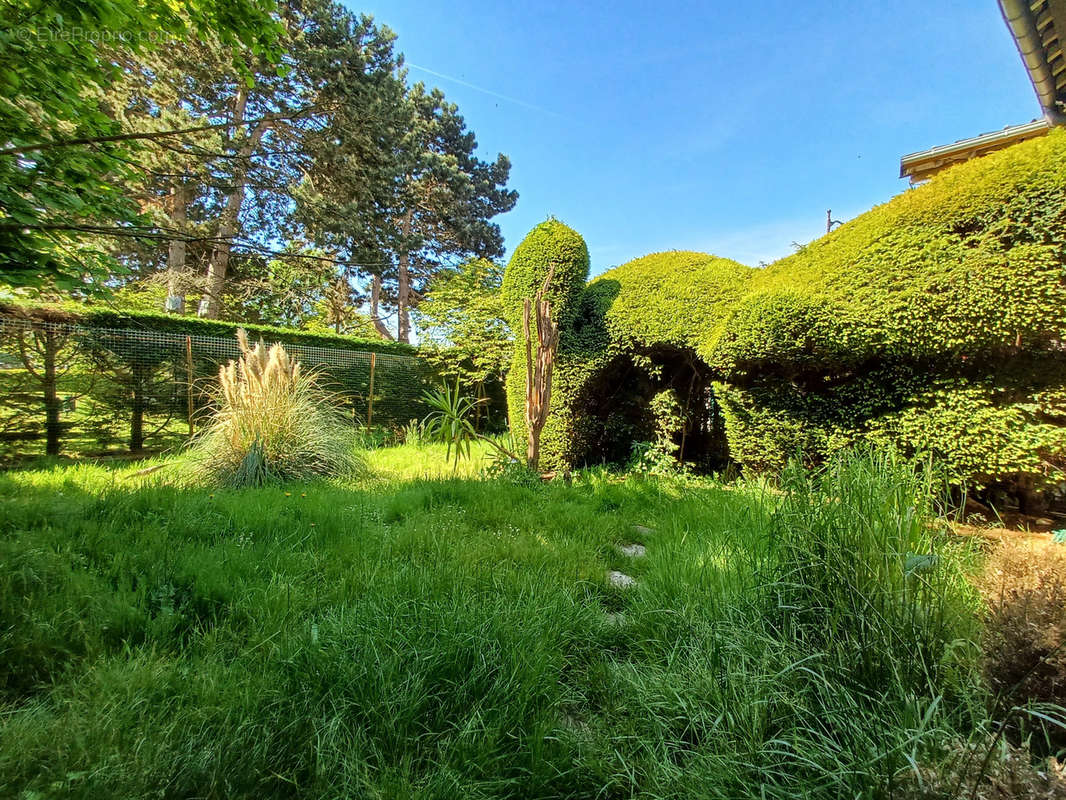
[[1039, 30], [923, 164]]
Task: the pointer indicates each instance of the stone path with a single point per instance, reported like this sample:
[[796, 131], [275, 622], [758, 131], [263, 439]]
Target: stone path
[[632, 550], [621, 580]]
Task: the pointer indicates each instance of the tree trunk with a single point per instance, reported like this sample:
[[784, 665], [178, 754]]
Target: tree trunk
[[375, 300], [211, 303], [539, 367], [51, 397], [175, 302], [140, 381], [403, 316]]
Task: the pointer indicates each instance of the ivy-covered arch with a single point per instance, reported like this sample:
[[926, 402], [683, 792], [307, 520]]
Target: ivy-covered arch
[[935, 321]]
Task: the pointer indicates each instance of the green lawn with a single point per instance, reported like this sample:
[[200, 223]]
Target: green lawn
[[418, 635]]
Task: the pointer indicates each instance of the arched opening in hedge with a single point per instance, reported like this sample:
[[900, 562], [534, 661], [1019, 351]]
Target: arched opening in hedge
[[621, 405]]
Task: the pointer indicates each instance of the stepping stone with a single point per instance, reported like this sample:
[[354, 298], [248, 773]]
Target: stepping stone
[[621, 580], [643, 531], [615, 619], [633, 550]]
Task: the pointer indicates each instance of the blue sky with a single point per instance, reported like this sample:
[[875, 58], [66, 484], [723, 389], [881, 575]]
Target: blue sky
[[723, 127]]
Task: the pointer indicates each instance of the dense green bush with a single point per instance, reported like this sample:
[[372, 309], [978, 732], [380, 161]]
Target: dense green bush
[[934, 321], [550, 243], [272, 422], [970, 264]]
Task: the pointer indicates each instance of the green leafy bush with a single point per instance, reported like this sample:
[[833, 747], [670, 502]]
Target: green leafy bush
[[933, 322], [549, 244], [98, 317]]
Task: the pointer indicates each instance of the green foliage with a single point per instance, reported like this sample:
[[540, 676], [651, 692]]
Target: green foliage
[[462, 321], [549, 244], [58, 59], [424, 637], [659, 457], [933, 322], [970, 264], [678, 297], [99, 317], [448, 196], [449, 421]]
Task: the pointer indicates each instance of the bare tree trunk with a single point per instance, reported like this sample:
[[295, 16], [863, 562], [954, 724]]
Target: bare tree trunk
[[140, 377], [51, 397], [539, 370], [175, 302], [211, 303], [375, 300], [403, 317]]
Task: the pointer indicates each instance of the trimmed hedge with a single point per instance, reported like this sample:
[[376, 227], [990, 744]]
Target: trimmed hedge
[[549, 243], [935, 321], [967, 265], [90, 316]]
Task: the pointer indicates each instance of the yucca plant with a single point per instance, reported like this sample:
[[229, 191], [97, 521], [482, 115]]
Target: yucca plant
[[449, 422], [272, 422]]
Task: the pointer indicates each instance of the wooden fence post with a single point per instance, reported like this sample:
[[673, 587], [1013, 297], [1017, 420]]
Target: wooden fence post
[[370, 399], [188, 381]]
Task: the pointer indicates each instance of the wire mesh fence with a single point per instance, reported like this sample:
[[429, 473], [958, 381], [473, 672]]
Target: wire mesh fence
[[69, 387]]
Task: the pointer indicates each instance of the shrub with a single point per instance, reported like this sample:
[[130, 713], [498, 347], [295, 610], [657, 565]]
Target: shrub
[[932, 322], [969, 264], [550, 243], [272, 423]]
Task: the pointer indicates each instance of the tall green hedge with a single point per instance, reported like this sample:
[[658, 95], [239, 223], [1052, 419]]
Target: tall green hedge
[[97, 317], [550, 243], [967, 265], [935, 321]]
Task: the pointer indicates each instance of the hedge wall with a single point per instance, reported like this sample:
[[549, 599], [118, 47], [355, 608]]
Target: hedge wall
[[935, 321], [95, 317], [969, 265]]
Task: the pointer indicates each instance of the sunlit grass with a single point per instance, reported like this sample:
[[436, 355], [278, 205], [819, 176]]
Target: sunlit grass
[[419, 635], [426, 461]]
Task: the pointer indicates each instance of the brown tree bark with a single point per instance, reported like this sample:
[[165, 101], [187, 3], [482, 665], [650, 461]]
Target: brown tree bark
[[539, 370], [375, 300], [403, 301], [211, 303], [177, 250]]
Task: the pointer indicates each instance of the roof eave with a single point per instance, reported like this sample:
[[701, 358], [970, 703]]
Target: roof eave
[[1019, 18]]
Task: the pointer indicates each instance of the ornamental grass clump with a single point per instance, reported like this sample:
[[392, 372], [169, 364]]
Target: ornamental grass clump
[[272, 422]]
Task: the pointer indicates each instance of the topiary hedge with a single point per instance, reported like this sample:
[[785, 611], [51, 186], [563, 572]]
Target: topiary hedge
[[968, 265], [934, 321], [94, 317], [550, 243]]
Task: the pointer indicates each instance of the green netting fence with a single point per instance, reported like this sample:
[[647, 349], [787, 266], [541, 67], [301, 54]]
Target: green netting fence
[[68, 387]]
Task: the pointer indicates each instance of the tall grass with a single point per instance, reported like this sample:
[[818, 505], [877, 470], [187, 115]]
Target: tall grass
[[440, 638], [271, 422]]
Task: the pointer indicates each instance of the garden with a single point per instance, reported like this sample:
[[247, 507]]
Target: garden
[[410, 632], [306, 493]]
